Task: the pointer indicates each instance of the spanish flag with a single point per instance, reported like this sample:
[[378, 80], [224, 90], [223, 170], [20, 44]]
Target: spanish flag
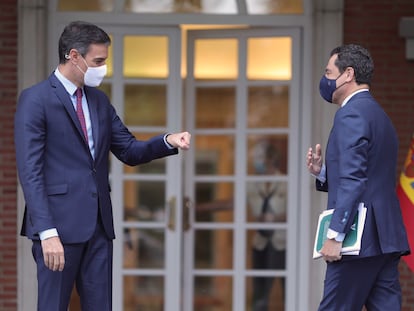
[[405, 191]]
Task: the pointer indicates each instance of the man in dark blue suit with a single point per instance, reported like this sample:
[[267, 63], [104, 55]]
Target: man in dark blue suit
[[64, 131], [360, 166]]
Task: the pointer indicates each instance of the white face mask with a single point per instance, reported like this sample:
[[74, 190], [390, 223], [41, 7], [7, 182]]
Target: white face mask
[[94, 75]]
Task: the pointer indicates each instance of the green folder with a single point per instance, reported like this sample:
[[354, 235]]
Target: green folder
[[352, 242], [350, 238]]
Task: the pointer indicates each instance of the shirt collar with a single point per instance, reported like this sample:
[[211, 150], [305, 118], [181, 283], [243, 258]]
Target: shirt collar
[[346, 100], [67, 84]]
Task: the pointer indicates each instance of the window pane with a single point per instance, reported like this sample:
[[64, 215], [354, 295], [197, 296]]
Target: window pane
[[144, 201], [267, 203], [265, 293], [274, 6], [266, 249], [216, 59], [182, 6], [268, 107], [144, 248], [215, 108], [154, 167], [269, 58], [213, 249], [89, 5], [145, 105], [186, 6], [145, 57], [213, 293], [143, 293], [214, 155], [107, 89], [214, 202], [267, 154]]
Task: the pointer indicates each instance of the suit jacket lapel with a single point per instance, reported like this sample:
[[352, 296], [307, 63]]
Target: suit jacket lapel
[[65, 99]]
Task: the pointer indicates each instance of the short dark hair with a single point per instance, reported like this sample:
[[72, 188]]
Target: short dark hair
[[357, 57], [80, 35]]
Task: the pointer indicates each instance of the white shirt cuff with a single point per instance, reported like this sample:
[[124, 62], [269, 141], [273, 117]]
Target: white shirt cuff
[[166, 142], [322, 174], [332, 234], [49, 233]]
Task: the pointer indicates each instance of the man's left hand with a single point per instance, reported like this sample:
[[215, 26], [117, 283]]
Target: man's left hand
[[331, 250], [179, 140]]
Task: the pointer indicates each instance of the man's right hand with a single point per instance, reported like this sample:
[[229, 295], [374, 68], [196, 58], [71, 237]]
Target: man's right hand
[[53, 253], [314, 160]]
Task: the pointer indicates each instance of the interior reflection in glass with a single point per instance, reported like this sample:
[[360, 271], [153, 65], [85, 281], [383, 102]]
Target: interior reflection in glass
[[144, 248], [268, 295], [182, 6], [143, 293], [144, 200], [213, 293]]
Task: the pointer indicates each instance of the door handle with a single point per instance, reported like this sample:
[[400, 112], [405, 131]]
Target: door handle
[[172, 207], [171, 213], [186, 213]]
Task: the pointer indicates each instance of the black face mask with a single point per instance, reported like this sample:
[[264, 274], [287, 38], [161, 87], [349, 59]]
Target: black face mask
[[327, 87]]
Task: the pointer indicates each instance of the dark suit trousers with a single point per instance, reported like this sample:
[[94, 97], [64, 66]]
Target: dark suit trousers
[[372, 281], [88, 264]]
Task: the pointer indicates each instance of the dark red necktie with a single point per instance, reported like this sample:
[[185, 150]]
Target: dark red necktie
[[79, 112]]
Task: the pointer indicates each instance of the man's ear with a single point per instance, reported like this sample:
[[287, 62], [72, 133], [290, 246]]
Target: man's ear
[[350, 73], [73, 55]]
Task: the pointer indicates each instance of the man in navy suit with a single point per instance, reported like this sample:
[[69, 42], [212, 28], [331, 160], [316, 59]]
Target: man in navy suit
[[64, 131], [360, 166]]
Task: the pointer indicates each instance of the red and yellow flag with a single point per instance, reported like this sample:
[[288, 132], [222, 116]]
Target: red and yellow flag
[[405, 191]]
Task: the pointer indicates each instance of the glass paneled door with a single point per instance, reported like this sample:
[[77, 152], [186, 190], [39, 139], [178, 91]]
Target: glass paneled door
[[242, 109], [211, 228], [146, 88]]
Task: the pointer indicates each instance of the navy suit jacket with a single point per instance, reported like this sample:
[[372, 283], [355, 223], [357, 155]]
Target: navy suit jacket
[[361, 160], [63, 185]]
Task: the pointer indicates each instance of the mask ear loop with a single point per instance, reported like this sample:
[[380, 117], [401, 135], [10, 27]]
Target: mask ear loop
[[351, 70], [67, 56]]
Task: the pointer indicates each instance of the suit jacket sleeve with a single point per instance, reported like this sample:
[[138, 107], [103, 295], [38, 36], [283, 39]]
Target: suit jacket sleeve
[[350, 152], [131, 151], [30, 144]]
